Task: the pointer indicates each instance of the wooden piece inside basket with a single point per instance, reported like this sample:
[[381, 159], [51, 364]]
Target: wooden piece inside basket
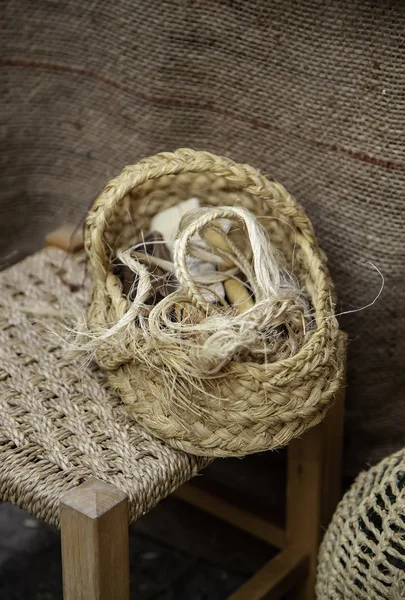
[[68, 237]]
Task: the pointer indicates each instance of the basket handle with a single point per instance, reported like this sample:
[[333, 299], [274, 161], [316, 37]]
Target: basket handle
[[173, 163]]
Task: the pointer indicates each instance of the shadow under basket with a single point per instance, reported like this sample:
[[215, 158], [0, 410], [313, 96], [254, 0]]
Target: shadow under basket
[[247, 406]]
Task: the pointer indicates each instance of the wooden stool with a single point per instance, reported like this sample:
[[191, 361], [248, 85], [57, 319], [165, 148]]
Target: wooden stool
[[64, 435], [70, 454]]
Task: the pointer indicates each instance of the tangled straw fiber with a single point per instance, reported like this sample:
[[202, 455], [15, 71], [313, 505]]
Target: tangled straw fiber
[[256, 395], [362, 556]]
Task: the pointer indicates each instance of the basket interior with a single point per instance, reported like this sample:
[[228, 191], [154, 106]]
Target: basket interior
[[133, 218]]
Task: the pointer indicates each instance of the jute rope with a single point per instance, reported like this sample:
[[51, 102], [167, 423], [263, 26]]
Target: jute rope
[[248, 406], [59, 422]]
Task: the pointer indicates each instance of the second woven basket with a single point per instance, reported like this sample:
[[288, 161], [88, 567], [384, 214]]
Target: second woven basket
[[248, 406]]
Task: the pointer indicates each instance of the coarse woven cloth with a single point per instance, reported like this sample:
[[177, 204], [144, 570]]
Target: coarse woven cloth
[[311, 93]]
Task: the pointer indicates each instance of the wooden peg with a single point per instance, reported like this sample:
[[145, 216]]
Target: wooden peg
[[68, 238]]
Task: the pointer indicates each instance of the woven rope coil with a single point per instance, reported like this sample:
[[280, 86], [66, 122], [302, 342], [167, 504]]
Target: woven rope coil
[[247, 407], [362, 556]]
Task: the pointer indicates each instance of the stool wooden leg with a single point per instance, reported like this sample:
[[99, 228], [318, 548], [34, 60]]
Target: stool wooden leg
[[314, 488], [95, 553], [276, 578]]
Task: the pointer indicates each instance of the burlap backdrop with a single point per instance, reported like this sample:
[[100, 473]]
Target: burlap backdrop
[[312, 93]]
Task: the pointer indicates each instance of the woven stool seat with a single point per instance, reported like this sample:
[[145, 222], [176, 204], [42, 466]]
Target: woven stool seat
[[59, 422]]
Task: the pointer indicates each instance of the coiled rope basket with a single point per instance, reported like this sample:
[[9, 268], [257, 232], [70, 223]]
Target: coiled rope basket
[[246, 405]]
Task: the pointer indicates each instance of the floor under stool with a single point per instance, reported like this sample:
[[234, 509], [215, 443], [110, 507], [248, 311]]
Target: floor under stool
[[209, 560]]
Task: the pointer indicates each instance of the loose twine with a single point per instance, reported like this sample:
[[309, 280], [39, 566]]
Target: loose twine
[[216, 382], [213, 334]]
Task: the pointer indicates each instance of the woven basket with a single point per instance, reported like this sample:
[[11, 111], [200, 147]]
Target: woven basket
[[362, 556], [248, 407]]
